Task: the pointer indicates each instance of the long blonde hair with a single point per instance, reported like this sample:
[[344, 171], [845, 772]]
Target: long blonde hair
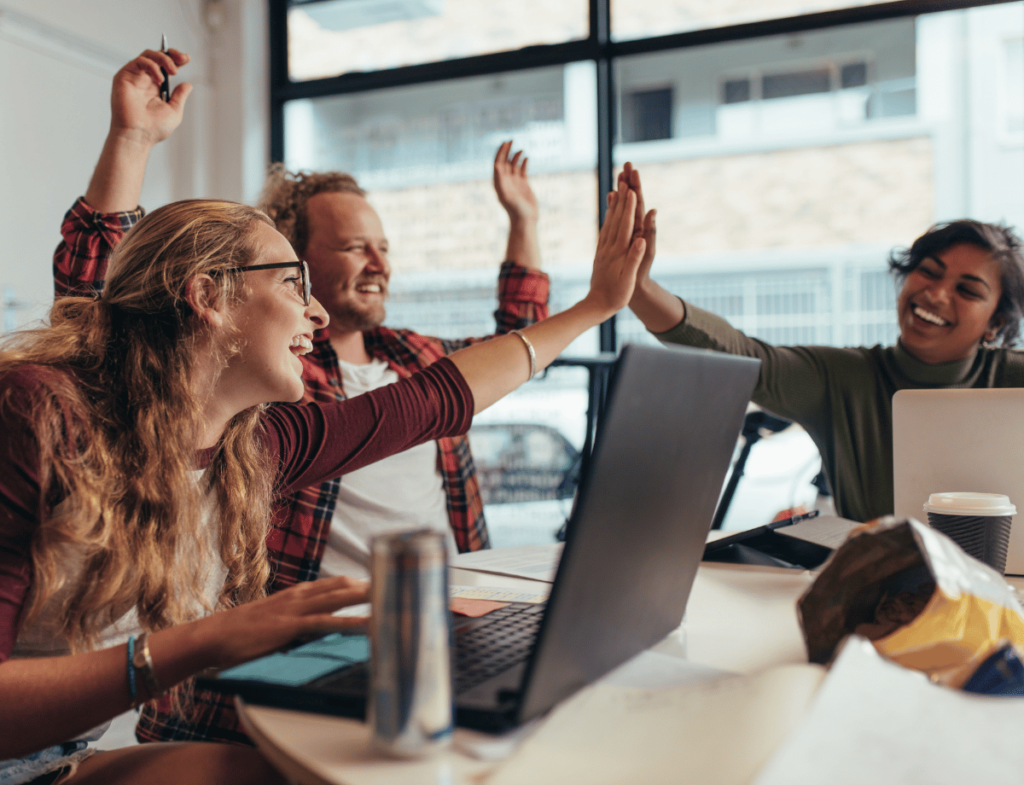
[[117, 434]]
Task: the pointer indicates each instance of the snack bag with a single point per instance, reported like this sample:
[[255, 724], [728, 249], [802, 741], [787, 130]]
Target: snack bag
[[917, 596]]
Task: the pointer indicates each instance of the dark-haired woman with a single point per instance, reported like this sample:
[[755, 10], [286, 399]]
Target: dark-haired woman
[[960, 302]]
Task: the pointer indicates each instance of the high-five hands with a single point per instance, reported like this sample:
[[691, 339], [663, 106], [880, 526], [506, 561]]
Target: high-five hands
[[644, 224], [620, 251]]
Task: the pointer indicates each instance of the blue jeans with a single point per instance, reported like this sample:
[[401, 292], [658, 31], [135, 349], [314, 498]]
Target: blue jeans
[[21, 770]]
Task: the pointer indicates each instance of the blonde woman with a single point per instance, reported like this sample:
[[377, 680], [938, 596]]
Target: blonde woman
[[138, 463]]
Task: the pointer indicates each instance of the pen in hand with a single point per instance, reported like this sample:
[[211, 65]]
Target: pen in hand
[[165, 86]]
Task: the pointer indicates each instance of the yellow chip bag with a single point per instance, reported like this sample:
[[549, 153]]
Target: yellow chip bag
[[916, 595]]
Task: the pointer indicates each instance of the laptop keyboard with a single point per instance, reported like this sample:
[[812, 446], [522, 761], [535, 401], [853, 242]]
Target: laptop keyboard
[[496, 642], [484, 647]]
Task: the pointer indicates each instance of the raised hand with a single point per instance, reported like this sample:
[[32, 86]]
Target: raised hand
[[619, 252], [658, 309], [136, 107], [644, 224], [139, 119], [513, 186]]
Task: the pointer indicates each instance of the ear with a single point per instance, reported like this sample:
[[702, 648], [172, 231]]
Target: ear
[[994, 327], [203, 295]]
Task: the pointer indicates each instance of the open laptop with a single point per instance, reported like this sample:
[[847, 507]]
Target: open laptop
[[634, 541], [960, 440]]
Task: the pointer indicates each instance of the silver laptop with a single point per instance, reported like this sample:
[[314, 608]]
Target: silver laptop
[[960, 440]]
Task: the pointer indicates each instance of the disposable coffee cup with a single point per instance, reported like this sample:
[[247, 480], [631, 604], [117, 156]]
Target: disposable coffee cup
[[977, 522]]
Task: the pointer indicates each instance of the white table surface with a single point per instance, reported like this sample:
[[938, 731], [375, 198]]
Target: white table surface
[[739, 618]]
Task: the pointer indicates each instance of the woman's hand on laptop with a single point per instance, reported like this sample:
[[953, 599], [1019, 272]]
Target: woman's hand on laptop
[[248, 631]]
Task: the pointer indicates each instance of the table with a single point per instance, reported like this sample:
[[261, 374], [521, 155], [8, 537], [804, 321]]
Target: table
[[739, 618]]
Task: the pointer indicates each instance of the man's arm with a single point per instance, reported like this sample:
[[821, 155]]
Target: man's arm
[[139, 120], [512, 186], [522, 287]]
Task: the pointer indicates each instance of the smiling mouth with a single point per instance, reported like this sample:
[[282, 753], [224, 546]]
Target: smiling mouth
[[301, 345], [929, 317]]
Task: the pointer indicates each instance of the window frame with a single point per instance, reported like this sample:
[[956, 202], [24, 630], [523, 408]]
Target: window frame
[[598, 47]]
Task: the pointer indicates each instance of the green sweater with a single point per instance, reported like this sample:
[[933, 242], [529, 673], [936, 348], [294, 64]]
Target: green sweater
[[843, 398]]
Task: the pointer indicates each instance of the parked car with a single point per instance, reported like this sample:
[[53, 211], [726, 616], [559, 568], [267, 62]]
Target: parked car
[[528, 474]]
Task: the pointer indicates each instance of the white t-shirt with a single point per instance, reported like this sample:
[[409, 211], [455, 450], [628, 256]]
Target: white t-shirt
[[401, 492]]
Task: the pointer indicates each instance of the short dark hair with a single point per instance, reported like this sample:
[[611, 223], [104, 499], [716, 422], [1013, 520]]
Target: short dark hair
[[999, 241]]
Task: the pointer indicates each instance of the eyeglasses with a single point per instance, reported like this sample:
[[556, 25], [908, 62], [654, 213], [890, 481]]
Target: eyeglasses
[[304, 290]]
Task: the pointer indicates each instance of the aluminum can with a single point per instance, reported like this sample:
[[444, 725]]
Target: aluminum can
[[410, 711]]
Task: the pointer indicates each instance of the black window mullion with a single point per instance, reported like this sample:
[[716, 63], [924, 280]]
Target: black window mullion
[[278, 25], [478, 65], [600, 33], [794, 24]]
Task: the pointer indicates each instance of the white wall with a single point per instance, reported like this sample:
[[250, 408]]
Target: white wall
[[57, 58]]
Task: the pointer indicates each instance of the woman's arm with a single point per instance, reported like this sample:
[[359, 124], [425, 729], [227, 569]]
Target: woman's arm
[[50, 700], [793, 382], [495, 368], [658, 309]]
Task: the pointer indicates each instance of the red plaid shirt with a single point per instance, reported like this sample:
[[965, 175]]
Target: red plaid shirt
[[299, 534]]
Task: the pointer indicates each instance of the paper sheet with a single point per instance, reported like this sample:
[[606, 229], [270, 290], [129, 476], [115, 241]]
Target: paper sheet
[[877, 722], [719, 730], [498, 594], [537, 562], [827, 530]]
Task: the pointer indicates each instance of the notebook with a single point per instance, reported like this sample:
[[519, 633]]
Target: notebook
[[960, 440], [633, 544]]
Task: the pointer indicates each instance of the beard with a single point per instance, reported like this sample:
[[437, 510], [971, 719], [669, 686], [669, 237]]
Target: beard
[[349, 316]]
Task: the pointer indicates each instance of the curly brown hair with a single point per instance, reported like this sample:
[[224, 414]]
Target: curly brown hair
[[286, 194], [116, 421]]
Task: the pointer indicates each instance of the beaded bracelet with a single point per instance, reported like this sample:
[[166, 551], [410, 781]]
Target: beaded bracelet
[[132, 689]]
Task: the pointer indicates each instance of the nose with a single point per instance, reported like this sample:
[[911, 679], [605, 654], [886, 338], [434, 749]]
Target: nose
[[378, 262], [316, 314], [940, 292]]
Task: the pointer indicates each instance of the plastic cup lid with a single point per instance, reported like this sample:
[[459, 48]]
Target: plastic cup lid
[[965, 503]]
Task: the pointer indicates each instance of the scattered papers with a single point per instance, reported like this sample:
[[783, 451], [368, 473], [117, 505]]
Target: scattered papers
[[827, 530], [874, 721], [498, 594], [536, 562], [718, 730]]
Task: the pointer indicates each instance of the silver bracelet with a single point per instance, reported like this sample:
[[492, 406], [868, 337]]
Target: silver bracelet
[[529, 348], [143, 664]]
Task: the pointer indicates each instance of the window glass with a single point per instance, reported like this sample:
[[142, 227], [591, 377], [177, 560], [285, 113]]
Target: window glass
[[527, 450], [425, 154], [797, 163], [331, 37], [643, 18], [1012, 98]]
